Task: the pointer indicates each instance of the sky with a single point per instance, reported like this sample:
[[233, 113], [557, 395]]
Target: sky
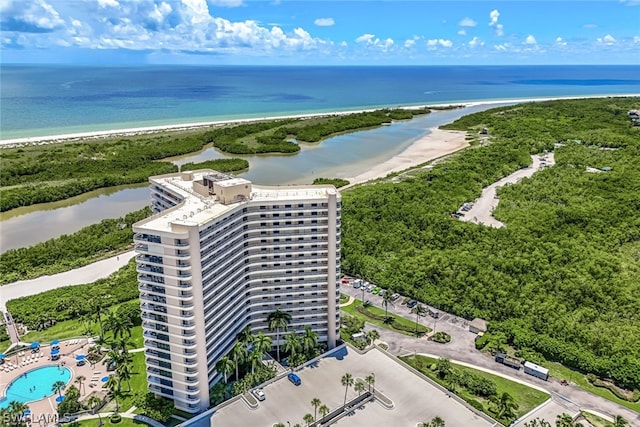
[[329, 32]]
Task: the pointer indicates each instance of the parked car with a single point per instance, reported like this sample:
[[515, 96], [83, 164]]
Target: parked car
[[356, 284], [395, 296], [259, 394], [376, 290], [382, 292], [294, 378], [412, 303]]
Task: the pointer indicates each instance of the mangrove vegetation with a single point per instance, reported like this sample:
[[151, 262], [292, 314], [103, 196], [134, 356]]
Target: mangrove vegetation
[[561, 281]]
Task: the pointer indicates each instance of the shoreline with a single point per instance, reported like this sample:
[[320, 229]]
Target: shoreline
[[435, 144], [52, 139]]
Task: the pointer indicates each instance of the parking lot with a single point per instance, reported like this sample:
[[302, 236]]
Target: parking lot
[[415, 400]]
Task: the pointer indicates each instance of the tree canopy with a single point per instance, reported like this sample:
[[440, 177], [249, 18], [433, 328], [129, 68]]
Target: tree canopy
[[562, 279]]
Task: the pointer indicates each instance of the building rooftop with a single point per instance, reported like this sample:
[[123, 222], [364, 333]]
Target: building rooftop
[[199, 206]]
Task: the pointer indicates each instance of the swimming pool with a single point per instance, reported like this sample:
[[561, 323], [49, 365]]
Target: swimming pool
[[22, 388]]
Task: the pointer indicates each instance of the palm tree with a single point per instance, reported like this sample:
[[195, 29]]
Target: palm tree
[[239, 354], [93, 402], [359, 387], [292, 345], [505, 404], [278, 320], [57, 387], [255, 358], [124, 374], [419, 310], [315, 402], [16, 411], [619, 421], [437, 422], [324, 410], [371, 380], [118, 325], [225, 366], [386, 300], [98, 311], [114, 357], [309, 340], [262, 343], [112, 384], [308, 418], [245, 336], [372, 336], [347, 381], [80, 379]]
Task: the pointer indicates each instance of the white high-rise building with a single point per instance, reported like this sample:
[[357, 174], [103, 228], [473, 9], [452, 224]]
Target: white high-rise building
[[220, 254]]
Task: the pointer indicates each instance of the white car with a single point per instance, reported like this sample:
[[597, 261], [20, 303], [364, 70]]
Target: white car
[[259, 394]]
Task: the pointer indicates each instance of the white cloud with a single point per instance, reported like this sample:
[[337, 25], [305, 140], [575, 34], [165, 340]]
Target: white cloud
[[560, 42], [493, 22], [494, 15], [108, 3], [502, 47], [608, 40], [29, 16], [530, 40], [409, 43], [636, 39], [227, 3], [324, 22], [366, 38], [462, 32], [468, 22], [590, 26], [434, 43], [475, 42]]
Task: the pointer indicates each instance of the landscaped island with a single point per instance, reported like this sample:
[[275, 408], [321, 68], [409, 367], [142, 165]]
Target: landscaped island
[[562, 280]]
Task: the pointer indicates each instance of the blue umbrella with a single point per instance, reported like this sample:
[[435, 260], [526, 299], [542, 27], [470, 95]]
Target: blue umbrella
[[27, 412], [55, 342], [80, 357], [2, 356], [35, 345], [104, 379], [59, 399], [55, 351]]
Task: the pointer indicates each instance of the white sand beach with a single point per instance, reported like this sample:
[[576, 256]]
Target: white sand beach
[[186, 126], [435, 144]]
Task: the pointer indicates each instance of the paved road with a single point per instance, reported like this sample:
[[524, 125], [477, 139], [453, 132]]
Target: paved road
[[462, 349], [87, 274]]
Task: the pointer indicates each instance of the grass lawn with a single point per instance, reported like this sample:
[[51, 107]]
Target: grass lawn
[[4, 345], [526, 397], [126, 422], [344, 298], [376, 316], [138, 382], [74, 328], [561, 372], [595, 420]]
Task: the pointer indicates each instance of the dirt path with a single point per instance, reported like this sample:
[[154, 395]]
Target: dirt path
[[482, 210]]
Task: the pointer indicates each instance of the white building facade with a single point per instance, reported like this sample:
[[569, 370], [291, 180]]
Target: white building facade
[[220, 254]]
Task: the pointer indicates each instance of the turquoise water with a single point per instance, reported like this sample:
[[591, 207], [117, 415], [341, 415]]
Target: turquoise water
[[40, 378], [53, 100]]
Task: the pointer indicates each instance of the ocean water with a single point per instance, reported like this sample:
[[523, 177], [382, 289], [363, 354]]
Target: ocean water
[[53, 100]]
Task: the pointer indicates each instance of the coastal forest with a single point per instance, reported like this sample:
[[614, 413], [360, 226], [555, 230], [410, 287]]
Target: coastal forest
[[42, 173], [561, 281]]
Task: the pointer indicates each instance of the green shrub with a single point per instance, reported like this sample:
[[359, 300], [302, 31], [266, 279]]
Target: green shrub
[[115, 418]]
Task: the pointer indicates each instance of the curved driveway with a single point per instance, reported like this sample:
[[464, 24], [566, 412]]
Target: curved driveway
[[462, 349], [79, 276]]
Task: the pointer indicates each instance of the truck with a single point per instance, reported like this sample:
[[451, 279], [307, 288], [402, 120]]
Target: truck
[[510, 361]]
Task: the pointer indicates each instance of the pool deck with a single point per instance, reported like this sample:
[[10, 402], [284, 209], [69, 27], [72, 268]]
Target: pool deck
[[43, 410]]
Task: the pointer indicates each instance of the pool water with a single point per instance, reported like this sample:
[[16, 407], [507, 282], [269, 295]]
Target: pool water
[[21, 389]]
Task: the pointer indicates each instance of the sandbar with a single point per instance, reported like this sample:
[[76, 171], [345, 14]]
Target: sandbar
[[435, 144]]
